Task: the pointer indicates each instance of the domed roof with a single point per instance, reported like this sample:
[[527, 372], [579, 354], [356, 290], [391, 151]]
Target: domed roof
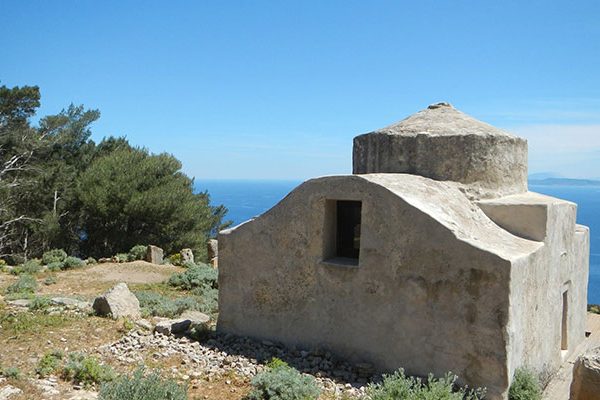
[[444, 120]]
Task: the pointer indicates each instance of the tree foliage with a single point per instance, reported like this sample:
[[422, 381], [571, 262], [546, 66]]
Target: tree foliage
[[59, 189]]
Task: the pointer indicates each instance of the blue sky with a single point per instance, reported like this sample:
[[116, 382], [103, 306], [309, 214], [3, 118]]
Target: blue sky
[[278, 89]]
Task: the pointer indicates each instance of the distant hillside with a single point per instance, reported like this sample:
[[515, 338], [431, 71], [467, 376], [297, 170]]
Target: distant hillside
[[563, 182]]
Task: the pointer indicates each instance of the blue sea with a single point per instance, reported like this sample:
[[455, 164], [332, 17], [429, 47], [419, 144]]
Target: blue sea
[[246, 199]]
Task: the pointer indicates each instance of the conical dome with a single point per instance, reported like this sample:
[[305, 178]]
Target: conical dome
[[445, 144]]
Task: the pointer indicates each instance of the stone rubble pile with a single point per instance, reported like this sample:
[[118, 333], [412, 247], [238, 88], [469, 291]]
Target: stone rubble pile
[[221, 354]]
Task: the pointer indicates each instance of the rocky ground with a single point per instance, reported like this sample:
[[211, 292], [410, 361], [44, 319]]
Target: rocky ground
[[216, 366]]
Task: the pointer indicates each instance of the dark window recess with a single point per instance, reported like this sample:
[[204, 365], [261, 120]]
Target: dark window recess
[[348, 229]]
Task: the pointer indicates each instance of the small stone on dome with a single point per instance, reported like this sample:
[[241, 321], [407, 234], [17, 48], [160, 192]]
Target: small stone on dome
[[440, 105]]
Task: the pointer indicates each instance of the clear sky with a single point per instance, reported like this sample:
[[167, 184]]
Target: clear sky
[[278, 89]]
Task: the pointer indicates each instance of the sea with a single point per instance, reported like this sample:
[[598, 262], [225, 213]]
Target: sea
[[246, 199]]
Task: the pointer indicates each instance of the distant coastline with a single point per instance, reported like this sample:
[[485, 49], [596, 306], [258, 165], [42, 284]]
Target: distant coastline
[[564, 182]]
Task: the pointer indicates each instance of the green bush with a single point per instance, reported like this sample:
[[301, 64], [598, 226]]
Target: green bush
[[137, 252], [25, 284], [283, 383], [91, 261], [73, 262], [31, 267], [525, 386], [197, 276], [122, 257], [140, 387], [49, 363], [175, 259], [157, 305], [11, 373], [400, 386], [51, 280], [55, 266], [86, 370], [40, 303], [52, 256]]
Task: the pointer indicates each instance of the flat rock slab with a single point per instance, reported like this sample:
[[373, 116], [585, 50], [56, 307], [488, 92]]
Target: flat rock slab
[[9, 391], [69, 302], [118, 302], [172, 326], [19, 303]]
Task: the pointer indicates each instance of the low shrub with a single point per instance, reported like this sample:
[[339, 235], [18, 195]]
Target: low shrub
[[91, 261], [400, 386], [25, 284], [49, 363], [86, 370], [40, 303], [11, 373], [283, 382], [122, 257], [24, 322], [55, 266], [51, 280], [157, 305], [142, 387], [525, 386], [31, 267], [176, 259], [137, 252], [52, 256], [73, 262], [197, 276]]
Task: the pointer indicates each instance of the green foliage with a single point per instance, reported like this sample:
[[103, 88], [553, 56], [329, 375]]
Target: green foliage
[[11, 373], [51, 280], [175, 259], [91, 261], [55, 266], [40, 303], [86, 370], [72, 263], [49, 363], [17, 323], [25, 284], [276, 363], [137, 252], [525, 386], [283, 383], [593, 308], [54, 256], [122, 257], [197, 276], [400, 386], [130, 196], [154, 304], [140, 387], [31, 267]]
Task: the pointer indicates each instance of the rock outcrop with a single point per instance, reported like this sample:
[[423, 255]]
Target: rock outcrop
[[586, 376], [154, 254], [187, 255], [118, 302]]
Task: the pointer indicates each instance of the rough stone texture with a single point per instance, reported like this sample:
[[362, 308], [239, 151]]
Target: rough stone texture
[[172, 326], [187, 255], [195, 317], [438, 287], [154, 254], [586, 376], [460, 268], [445, 144], [212, 247], [7, 392], [118, 302]]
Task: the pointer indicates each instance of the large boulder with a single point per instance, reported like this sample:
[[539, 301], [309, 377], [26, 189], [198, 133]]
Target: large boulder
[[187, 255], [154, 254], [586, 376], [118, 302]]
